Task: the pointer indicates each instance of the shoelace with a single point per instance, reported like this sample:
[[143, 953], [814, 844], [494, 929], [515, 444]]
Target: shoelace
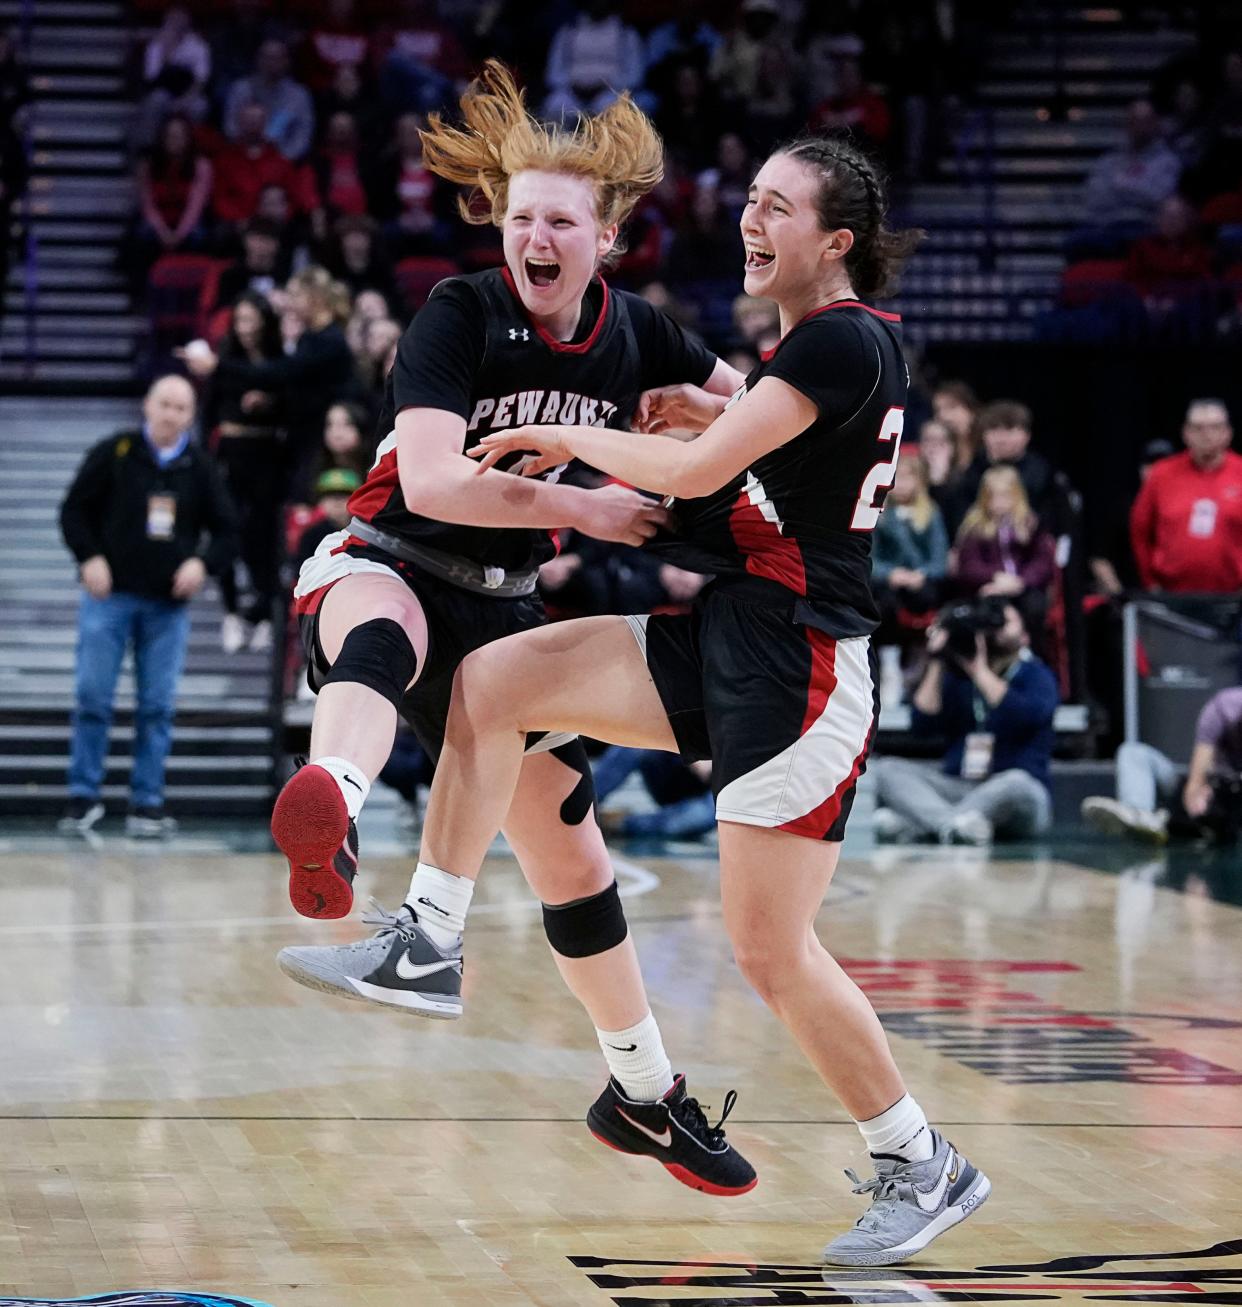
[[388, 923], [696, 1119], [884, 1187]]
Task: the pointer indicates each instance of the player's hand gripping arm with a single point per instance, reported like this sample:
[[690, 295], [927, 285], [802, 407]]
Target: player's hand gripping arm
[[768, 416], [437, 481]]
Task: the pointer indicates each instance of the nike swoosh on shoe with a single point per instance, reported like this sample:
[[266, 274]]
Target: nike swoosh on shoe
[[408, 970], [665, 1140], [930, 1201]]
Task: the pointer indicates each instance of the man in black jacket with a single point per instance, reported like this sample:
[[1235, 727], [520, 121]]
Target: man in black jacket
[[135, 518]]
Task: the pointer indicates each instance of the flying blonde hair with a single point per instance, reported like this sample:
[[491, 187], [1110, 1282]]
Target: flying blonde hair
[[618, 149], [979, 521]]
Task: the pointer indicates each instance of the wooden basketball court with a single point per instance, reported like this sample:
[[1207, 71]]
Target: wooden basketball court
[[178, 1115]]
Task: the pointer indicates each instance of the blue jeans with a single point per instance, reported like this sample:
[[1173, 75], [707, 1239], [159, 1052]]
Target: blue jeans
[[686, 811], [159, 630]]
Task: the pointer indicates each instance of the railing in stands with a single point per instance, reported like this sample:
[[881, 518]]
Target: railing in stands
[[30, 243]]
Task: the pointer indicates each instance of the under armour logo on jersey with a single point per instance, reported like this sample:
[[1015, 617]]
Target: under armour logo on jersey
[[516, 333]]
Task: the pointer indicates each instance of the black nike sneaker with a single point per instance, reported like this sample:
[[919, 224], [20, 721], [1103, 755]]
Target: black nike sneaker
[[675, 1132], [313, 829]]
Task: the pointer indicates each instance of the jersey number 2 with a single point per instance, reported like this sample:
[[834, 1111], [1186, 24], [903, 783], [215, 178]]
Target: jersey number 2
[[867, 511]]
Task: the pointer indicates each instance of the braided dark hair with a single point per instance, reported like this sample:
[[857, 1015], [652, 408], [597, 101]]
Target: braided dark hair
[[851, 194]]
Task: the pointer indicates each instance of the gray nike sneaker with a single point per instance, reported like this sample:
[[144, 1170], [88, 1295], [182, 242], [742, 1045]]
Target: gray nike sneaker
[[913, 1203], [398, 966]]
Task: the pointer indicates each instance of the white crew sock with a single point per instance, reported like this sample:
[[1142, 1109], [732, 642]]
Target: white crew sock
[[440, 901], [350, 779], [637, 1060], [902, 1132]]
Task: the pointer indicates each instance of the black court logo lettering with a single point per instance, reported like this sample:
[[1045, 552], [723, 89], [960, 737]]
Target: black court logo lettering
[[1202, 1275]]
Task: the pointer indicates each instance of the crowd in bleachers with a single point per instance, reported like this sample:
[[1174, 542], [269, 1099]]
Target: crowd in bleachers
[[286, 217], [1158, 250]]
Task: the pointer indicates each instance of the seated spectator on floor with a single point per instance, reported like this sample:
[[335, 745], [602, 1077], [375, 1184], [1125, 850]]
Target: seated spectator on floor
[[856, 108], [176, 67], [251, 163], [994, 706], [593, 58], [247, 427], [1157, 797], [936, 448], [685, 808], [318, 372], [1186, 524], [412, 203], [1126, 187], [262, 268], [332, 490], [356, 257], [1001, 551], [290, 113], [1003, 429], [955, 404], [909, 550], [174, 190]]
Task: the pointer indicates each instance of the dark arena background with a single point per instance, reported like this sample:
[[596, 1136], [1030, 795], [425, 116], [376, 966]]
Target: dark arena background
[[1042, 901]]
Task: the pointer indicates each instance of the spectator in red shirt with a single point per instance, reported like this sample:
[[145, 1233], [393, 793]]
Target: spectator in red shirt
[[252, 163], [174, 188], [1175, 260], [338, 168], [409, 200], [1186, 524], [856, 107]]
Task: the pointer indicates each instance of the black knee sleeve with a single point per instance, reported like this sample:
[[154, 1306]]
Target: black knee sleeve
[[575, 808], [379, 655], [587, 926]]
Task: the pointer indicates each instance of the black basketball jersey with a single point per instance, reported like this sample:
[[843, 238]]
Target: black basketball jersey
[[801, 517], [474, 351]]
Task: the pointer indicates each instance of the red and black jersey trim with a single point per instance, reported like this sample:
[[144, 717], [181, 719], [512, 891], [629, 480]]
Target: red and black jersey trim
[[561, 346]]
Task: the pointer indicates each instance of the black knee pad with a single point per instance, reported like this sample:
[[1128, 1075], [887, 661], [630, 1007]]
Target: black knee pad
[[587, 926], [379, 655], [576, 807]]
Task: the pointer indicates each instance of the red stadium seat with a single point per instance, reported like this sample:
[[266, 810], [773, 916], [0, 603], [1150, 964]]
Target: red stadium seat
[[418, 277], [183, 288]]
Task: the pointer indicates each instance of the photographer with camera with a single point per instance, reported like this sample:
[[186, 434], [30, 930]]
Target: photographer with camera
[[993, 700], [1156, 797]]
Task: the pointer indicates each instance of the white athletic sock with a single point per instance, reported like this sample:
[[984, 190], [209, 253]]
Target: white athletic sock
[[350, 779], [440, 901], [637, 1060], [902, 1132]]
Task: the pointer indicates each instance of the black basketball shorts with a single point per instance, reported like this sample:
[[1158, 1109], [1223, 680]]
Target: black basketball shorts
[[458, 622], [785, 712]]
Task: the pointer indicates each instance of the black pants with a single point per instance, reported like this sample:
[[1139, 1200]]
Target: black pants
[[254, 470]]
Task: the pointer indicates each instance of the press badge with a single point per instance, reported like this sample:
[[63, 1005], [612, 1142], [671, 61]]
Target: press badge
[[977, 755], [161, 516]]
